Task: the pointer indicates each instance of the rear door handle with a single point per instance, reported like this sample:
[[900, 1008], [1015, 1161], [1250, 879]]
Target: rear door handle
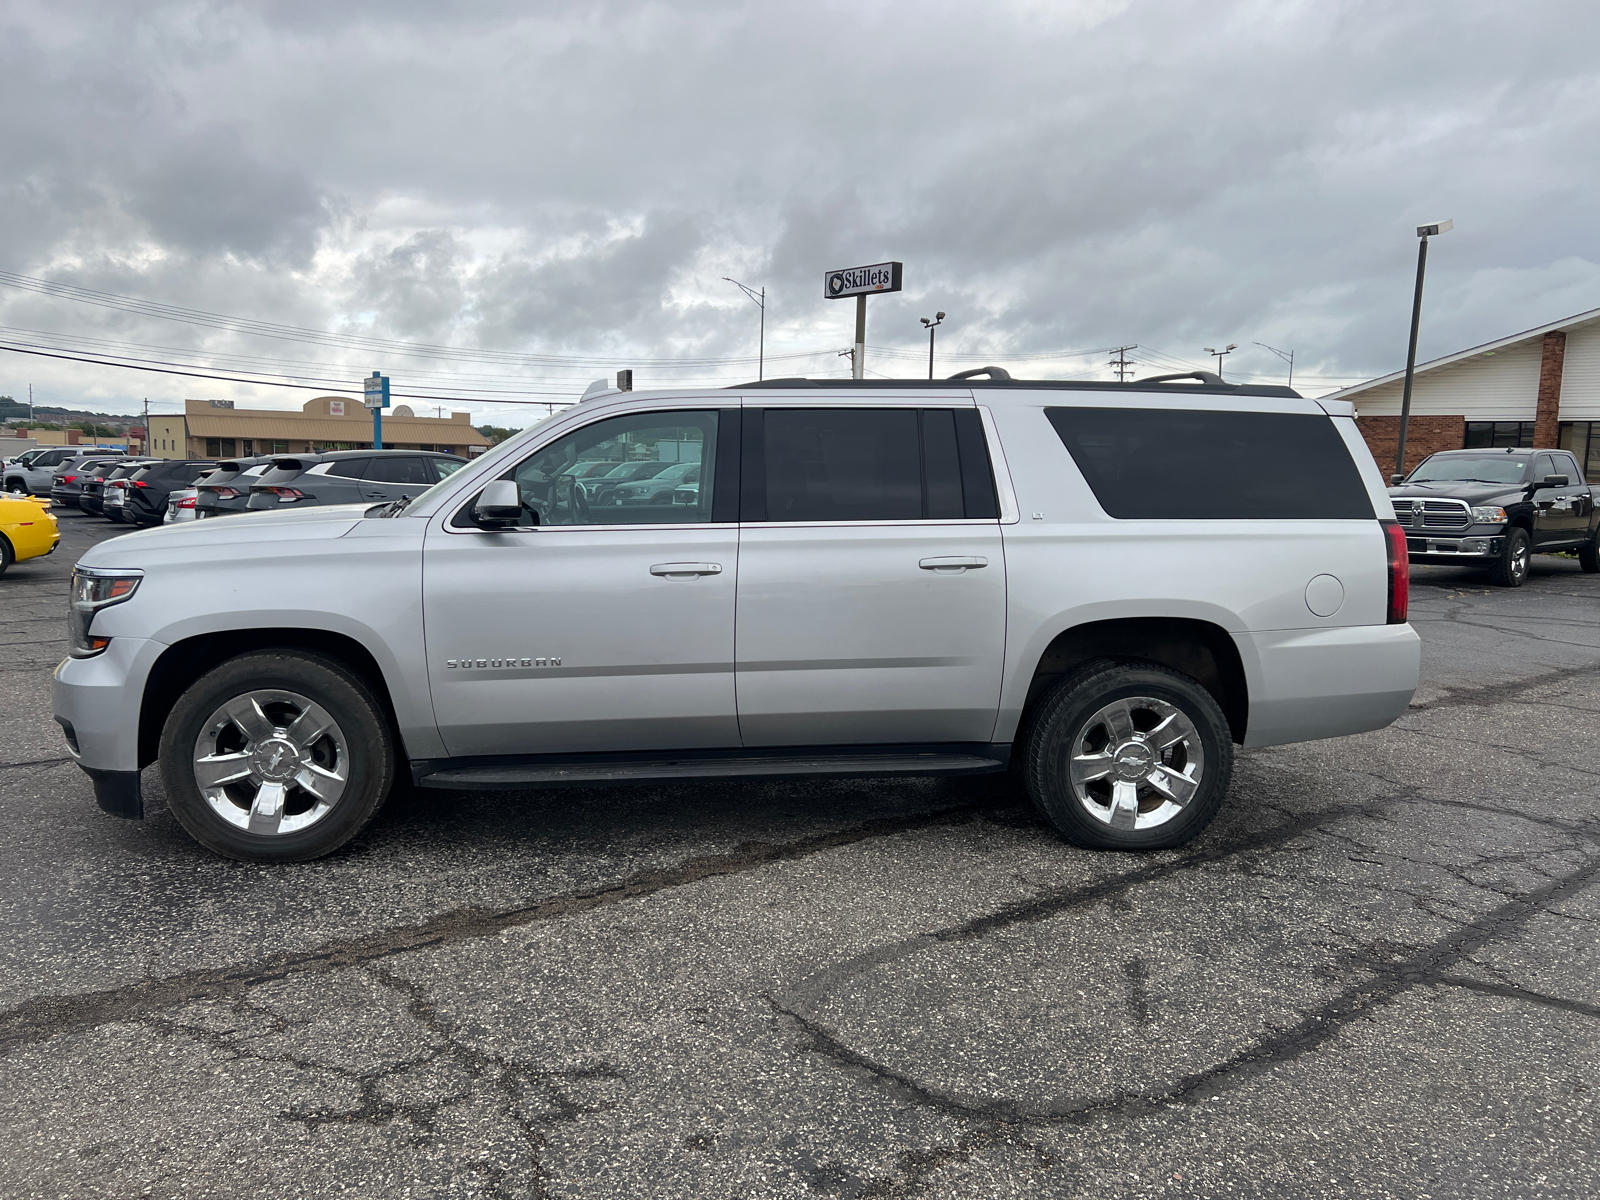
[[953, 565], [685, 570]]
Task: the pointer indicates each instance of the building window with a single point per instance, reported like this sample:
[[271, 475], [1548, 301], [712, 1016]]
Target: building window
[[247, 446], [1583, 439], [1499, 433], [221, 448]]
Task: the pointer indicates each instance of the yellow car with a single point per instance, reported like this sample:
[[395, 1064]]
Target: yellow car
[[27, 529]]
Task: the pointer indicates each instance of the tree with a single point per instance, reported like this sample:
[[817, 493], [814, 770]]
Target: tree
[[496, 433]]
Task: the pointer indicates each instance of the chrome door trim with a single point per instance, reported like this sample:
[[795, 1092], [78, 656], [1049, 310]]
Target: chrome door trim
[[556, 530]]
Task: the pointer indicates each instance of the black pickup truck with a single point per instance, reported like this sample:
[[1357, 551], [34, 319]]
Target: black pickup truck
[[1495, 509]]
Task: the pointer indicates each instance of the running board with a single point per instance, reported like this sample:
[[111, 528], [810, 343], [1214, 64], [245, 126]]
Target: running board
[[464, 778]]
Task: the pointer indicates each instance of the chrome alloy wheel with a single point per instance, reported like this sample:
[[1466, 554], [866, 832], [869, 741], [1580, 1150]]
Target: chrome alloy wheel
[[271, 762], [1521, 557], [1136, 763]]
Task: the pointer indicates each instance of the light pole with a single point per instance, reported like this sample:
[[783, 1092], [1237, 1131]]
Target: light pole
[[1424, 232], [1218, 355], [759, 299], [1286, 355], [931, 326]]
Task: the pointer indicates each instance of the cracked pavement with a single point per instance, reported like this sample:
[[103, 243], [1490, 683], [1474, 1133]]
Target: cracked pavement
[[1377, 974]]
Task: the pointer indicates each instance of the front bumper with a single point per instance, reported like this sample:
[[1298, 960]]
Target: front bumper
[[96, 702], [1434, 548]]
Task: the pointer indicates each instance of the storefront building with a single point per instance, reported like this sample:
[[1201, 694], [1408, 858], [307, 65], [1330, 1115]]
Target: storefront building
[[215, 429], [1540, 387]]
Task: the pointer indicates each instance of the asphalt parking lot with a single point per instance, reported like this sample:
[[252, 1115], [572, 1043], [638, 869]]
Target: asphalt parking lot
[[1376, 975]]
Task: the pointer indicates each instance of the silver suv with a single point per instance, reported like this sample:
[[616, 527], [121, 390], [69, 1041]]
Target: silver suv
[[1105, 587]]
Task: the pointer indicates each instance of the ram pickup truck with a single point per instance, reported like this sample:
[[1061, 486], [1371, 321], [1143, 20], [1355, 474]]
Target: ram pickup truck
[[1497, 508]]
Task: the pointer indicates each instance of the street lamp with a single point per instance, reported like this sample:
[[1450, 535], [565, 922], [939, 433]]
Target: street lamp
[[1218, 355], [1286, 355], [759, 299], [931, 326], [1424, 232]]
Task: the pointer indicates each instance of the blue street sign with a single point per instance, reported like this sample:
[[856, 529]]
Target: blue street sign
[[375, 392]]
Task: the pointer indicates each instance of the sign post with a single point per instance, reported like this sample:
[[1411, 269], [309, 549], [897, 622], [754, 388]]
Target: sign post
[[375, 390], [861, 282]]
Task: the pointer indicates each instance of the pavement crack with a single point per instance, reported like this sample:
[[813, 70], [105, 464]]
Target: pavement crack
[[46, 1017], [1511, 992]]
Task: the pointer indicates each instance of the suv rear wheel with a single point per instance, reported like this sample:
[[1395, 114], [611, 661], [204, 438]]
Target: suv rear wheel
[[277, 756], [1131, 756]]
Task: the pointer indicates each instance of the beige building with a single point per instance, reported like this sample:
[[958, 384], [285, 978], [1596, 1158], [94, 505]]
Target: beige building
[[215, 429]]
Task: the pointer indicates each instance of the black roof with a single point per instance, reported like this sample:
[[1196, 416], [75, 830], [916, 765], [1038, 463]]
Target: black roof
[[1196, 382]]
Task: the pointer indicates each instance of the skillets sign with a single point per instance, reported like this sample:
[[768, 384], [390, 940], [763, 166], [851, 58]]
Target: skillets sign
[[861, 281]]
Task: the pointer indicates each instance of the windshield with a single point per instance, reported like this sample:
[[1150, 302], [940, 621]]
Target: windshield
[[1460, 468]]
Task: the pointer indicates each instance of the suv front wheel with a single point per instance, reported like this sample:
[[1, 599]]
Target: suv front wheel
[[1130, 756], [277, 756]]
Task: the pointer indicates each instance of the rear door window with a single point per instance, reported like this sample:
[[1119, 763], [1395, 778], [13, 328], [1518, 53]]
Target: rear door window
[[400, 469], [1193, 465], [866, 464], [348, 468]]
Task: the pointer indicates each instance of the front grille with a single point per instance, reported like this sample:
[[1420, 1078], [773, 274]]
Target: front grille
[[1433, 514]]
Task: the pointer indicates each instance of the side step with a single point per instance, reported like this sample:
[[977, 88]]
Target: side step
[[465, 778]]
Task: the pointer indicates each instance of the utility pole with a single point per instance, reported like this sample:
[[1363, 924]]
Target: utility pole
[[1423, 233], [30, 402], [1120, 363], [147, 438]]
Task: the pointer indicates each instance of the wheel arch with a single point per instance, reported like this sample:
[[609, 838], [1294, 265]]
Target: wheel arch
[[185, 661], [1202, 650]]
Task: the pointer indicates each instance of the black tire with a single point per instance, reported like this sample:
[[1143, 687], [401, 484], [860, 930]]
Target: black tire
[[1511, 568], [1589, 554], [1071, 712], [7, 555], [17, 487], [360, 744]]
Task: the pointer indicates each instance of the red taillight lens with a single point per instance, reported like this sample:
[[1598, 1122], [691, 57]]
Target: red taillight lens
[[287, 495], [1399, 572], [225, 493], [189, 503], [69, 479], [138, 483]]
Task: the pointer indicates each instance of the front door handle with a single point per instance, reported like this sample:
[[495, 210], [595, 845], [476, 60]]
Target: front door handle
[[953, 565], [685, 570]]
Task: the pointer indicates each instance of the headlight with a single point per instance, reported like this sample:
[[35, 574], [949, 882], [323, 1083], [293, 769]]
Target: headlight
[[94, 588], [1489, 515]]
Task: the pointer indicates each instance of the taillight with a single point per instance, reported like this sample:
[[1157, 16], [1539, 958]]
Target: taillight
[[225, 493], [1399, 572], [287, 495], [69, 479], [138, 483], [189, 503]]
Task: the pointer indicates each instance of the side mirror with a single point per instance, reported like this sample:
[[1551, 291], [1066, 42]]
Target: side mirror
[[1396, 480], [1554, 481], [499, 506]]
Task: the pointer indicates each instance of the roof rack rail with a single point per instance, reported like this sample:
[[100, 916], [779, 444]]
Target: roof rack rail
[[1204, 383]]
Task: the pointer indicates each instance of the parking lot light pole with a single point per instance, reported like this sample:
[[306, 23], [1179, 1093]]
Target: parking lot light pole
[[931, 326], [1424, 232], [1220, 354], [1286, 355], [759, 299]]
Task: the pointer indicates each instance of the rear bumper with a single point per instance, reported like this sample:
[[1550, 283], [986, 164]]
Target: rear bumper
[[1307, 684]]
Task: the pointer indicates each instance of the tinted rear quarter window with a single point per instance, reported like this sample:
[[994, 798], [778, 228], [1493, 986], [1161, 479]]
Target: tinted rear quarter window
[[348, 468], [399, 470], [1193, 465]]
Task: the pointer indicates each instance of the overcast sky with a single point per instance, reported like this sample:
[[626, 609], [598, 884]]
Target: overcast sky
[[573, 180]]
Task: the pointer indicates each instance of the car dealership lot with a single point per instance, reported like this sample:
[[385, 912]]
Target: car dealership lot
[[1374, 975]]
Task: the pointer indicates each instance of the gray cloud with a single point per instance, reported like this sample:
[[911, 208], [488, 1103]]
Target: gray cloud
[[576, 178]]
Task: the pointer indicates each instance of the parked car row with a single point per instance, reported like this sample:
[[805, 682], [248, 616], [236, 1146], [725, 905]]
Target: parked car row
[[153, 491]]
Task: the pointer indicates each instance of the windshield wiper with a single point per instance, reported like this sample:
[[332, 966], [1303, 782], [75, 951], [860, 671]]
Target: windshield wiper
[[392, 508]]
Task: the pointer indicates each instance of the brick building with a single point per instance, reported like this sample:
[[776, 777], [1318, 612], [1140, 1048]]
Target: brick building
[[215, 429], [1540, 387]]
